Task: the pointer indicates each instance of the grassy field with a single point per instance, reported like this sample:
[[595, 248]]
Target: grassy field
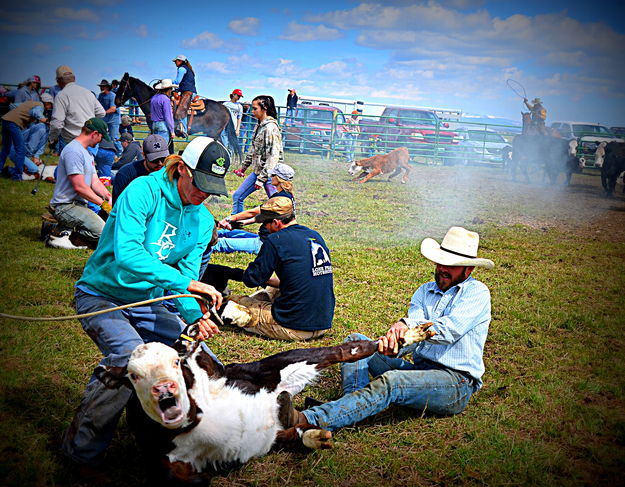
[[551, 411]]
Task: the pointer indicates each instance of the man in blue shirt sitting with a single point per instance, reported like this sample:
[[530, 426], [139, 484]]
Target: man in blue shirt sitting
[[447, 364], [304, 307], [154, 153]]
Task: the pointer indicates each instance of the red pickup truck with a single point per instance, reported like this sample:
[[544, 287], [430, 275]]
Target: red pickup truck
[[421, 131]]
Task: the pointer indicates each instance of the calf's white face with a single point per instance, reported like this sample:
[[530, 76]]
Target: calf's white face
[[155, 372], [354, 168]]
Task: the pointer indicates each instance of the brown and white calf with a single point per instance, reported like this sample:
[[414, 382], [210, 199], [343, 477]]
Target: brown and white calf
[[391, 164], [204, 417]]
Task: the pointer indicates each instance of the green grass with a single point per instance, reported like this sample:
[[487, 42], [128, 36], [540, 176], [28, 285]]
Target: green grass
[[551, 411]]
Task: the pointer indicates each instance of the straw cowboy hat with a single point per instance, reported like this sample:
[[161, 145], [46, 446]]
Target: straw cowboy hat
[[164, 84], [458, 248]]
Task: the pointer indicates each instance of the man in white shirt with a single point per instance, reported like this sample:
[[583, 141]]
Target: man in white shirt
[[73, 106]]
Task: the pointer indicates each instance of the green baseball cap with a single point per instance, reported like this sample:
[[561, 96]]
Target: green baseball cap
[[98, 125]]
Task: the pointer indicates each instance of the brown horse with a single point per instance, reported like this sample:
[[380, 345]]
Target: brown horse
[[211, 120]]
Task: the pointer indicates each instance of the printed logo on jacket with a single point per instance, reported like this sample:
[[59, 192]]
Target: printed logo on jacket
[[320, 259], [165, 242]]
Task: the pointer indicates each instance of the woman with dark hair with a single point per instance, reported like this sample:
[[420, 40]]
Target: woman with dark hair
[[185, 79], [265, 152]]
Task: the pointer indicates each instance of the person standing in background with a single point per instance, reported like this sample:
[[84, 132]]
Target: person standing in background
[[291, 105], [160, 107], [73, 106], [265, 153], [112, 117], [236, 113]]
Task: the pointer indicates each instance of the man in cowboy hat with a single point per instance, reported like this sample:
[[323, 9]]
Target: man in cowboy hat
[[112, 117], [539, 115], [453, 314], [160, 108]]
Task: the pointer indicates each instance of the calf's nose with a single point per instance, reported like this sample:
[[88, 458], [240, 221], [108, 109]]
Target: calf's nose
[[164, 388]]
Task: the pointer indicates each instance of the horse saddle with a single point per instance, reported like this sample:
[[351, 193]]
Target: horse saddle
[[197, 104]]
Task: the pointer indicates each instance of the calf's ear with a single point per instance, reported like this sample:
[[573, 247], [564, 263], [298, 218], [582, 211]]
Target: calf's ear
[[112, 377]]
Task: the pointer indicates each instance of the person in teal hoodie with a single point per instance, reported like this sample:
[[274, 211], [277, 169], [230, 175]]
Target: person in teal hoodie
[[152, 243]]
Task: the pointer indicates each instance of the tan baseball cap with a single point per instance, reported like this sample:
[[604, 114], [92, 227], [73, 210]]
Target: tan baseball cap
[[63, 70], [273, 208]]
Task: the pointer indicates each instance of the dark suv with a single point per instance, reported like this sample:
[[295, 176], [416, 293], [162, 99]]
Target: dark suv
[[421, 131], [311, 127]]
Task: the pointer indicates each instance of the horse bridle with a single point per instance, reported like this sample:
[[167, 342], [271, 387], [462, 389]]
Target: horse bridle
[[124, 92]]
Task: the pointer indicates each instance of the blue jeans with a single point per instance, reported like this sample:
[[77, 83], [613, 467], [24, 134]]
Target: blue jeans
[[35, 138], [160, 128], [237, 241], [289, 116], [114, 133], [12, 137], [116, 334], [103, 162], [423, 386], [246, 188], [350, 144]]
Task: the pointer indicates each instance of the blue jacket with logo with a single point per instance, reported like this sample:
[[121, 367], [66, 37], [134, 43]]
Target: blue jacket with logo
[[301, 259], [151, 243]]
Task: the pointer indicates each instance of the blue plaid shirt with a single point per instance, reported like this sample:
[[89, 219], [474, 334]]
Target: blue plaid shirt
[[460, 318]]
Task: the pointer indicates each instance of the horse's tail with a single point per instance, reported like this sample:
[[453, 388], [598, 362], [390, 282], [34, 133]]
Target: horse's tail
[[233, 141]]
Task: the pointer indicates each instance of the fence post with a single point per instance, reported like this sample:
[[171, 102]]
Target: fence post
[[332, 134]]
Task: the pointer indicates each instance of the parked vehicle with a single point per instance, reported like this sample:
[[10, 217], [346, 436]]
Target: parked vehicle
[[421, 131], [588, 136], [311, 127], [482, 145], [618, 131]]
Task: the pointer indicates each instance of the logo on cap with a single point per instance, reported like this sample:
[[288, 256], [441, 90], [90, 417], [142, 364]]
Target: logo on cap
[[218, 166]]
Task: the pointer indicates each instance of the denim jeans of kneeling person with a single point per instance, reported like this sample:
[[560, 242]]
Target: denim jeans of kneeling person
[[423, 386], [116, 334]]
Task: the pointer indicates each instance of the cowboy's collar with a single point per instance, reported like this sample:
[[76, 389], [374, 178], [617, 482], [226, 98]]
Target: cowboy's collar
[[460, 285]]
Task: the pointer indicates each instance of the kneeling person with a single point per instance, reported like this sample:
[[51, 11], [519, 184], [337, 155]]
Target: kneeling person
[[304, 306], [77, 184]]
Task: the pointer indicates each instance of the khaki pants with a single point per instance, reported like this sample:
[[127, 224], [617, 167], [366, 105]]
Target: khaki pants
[[262, 322]]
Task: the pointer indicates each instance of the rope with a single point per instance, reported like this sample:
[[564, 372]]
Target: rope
[[516, 86], [116, 308]]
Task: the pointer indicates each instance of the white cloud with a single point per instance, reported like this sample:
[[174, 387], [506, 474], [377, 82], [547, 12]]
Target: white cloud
[[205, 40], [82, 15], [333, 68], [216, 66], [302, 32], [246, 27], [210, 41], [142, 30], [450, 51]]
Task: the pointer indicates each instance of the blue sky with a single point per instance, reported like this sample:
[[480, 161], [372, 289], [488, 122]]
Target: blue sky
[[444, 53]]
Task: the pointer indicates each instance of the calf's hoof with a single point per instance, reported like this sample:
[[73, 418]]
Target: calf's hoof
[[317, 439], [417, 334]]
